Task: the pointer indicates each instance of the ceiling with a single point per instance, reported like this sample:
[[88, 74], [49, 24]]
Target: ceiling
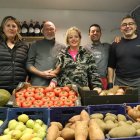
[[90, 5]]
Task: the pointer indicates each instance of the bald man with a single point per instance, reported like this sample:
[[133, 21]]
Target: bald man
[[42, 56]]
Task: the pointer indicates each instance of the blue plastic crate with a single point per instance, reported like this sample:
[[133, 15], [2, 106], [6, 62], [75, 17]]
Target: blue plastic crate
[[3, 113], [107, 108], [63, 114], [33, 113]]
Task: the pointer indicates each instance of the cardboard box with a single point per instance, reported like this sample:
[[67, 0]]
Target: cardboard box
[[91, 97]]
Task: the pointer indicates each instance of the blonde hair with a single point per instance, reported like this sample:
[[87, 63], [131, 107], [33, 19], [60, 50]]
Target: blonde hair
[[7, 18], [69, 31]]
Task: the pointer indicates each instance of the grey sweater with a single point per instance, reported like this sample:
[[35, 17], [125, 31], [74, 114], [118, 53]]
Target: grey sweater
[[42, 55]]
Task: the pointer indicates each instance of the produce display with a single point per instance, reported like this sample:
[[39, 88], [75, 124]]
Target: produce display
[[97, 126], [46, 97], [24, 128], [4, 97], [134, 112], [116, 90]]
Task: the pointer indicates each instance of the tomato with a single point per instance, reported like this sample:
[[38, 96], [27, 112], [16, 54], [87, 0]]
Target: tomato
[[34, 105], [54, 98], [19, 94], [26, 104], [66, 88], [48, 103], [48, 89], [19, 104], [40, 89], [30, 89], [30, 99], [29, 94], [57, 90], [38, 102], [63, 93], [58, 103], [39, 95], [72, 92], [45, 99], [72, 98], [23, 90], [50, 94], [20, 99], [63, 98], [68, 102]]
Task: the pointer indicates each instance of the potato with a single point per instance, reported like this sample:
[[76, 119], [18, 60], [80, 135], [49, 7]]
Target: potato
[[111, 114], [136, 125], [109, 117], [96, 115], [122, 131], [110, 124], [74, 119], [59, 125], [67, 133], [121, 117], [138, 132]]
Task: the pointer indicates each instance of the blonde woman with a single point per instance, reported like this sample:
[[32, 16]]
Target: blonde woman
[[77, 65]]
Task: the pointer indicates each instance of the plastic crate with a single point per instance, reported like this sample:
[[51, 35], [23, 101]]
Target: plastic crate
[[107, 108], [115, 109], [3, 114], [90, 97], [33, 113], [63, 114]]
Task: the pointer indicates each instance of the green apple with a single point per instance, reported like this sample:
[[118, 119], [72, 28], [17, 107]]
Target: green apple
[[1, 122], [30, 123], [20, 126], [28, 130], [39, 121], [36, 127], [16, 134], [26, 136], [23, 118], [41, 134], [12, 124], [36, 138], [6, 131], [5, 137]]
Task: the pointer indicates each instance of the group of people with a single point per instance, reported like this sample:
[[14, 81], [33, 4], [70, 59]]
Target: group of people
[[50, 63]]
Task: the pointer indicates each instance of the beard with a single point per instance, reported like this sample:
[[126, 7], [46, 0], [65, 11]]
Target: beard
[[49, 37]]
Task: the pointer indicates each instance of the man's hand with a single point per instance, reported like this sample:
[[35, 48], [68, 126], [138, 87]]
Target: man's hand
[[48, 74], [117, 39]]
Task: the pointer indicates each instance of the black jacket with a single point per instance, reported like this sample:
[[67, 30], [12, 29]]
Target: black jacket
[[12, 65]]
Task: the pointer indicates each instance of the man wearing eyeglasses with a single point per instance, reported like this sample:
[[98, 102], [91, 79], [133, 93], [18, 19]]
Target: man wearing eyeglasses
[[124, 57]]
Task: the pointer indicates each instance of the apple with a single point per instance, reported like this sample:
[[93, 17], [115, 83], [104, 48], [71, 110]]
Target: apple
[[28, 130], [20, 126], [44, 126], [41, 134], [27, 136], [16, 134], [36, 127], [36, 138], [23, 118], [1, 122], [30, 123], [40, 122], [6, 131], [12, 124], [5, 137]]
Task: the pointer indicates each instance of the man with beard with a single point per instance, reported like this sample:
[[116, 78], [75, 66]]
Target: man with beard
[[124, 57], [42, 56]]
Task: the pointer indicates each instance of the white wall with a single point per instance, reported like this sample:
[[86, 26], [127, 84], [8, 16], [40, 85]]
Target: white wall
[[63, 19]]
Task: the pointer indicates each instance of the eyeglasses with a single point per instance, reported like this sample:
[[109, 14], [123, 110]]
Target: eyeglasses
[[128, 24]]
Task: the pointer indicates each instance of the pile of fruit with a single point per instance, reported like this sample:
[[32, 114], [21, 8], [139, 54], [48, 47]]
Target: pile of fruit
[[24, 128], [46, 97]]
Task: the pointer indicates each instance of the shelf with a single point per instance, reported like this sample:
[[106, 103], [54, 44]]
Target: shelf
[[32, 38]]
